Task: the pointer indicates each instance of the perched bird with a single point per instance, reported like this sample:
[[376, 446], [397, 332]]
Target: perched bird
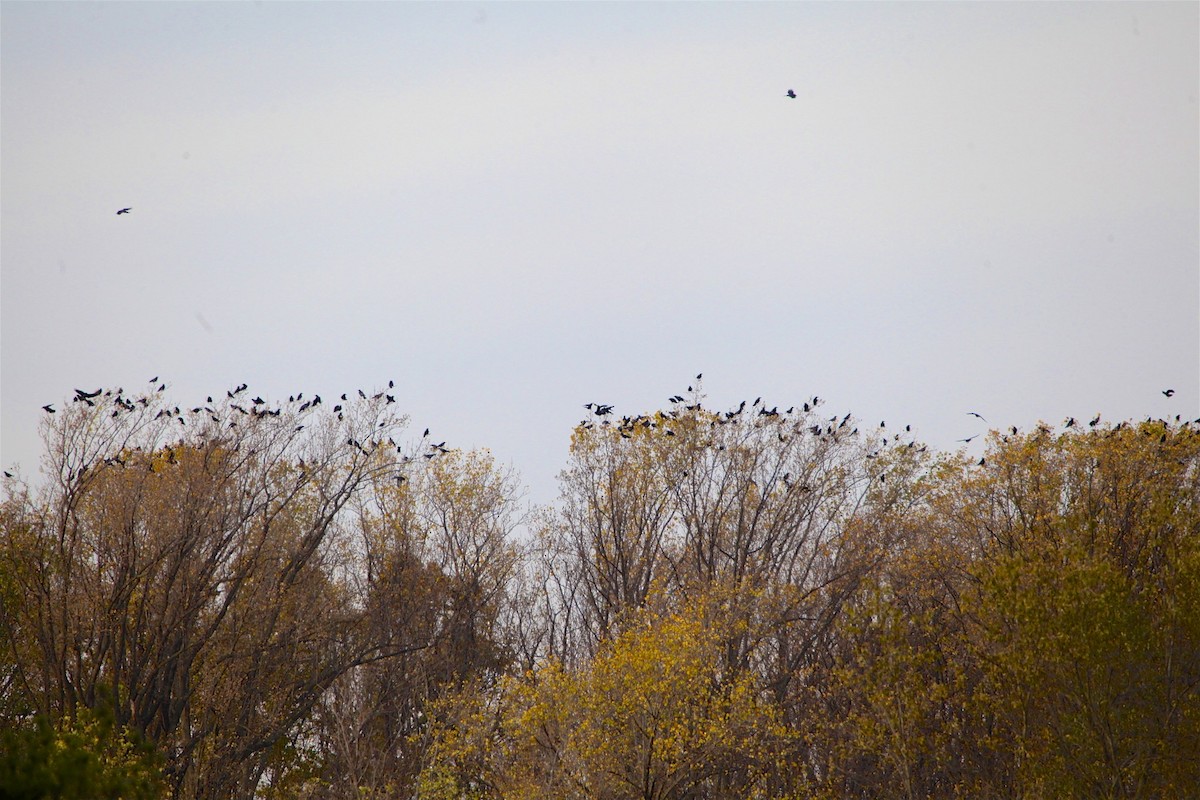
[[124, 211], [1169, 392], [791, 94]]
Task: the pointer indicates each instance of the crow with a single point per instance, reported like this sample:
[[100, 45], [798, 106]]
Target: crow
[[1169, 392], [791, 93], [82, 395], [969, 438], [124, 211], [976, 414], [48, 408]]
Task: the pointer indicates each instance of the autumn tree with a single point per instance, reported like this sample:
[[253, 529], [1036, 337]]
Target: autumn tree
[[187, 561], [436, 559]]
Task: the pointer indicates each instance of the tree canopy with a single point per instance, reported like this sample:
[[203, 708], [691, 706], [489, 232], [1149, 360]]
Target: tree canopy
[[302, 599]]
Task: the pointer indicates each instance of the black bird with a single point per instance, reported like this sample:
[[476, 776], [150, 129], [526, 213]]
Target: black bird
[[153, 380], [1070, 422], [976, 414], [87, 395], [1169, 392], [1094, 422], [969, 438], [49, 409], [124, 211], [7, 474], [791, 94]]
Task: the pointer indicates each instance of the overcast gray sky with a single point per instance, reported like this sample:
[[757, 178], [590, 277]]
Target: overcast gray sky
[[514, 209]]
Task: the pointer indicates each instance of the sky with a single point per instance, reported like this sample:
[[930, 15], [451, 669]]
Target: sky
[[514, 209]]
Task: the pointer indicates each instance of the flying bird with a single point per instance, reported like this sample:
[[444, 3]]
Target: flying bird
[[124, 211], [791, 94], [49, 409], [976, 414], [1169, 392]]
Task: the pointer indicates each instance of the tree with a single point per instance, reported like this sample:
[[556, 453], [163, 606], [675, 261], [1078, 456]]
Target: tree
[[649, 717], [190, 561]]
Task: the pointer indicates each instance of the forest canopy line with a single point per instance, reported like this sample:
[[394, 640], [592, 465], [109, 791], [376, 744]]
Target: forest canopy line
[[244, 599]]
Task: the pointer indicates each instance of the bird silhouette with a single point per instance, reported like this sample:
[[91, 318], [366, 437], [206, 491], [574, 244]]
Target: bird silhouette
[[49, 409], [1169, 392], [969, 438], [976, 414], [82, 395], [791, 94], [124, 211]]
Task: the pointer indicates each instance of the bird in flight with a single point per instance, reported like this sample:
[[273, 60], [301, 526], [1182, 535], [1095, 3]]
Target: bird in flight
[[976, 414], [1169, 392], [124, 211], [792, 94]]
